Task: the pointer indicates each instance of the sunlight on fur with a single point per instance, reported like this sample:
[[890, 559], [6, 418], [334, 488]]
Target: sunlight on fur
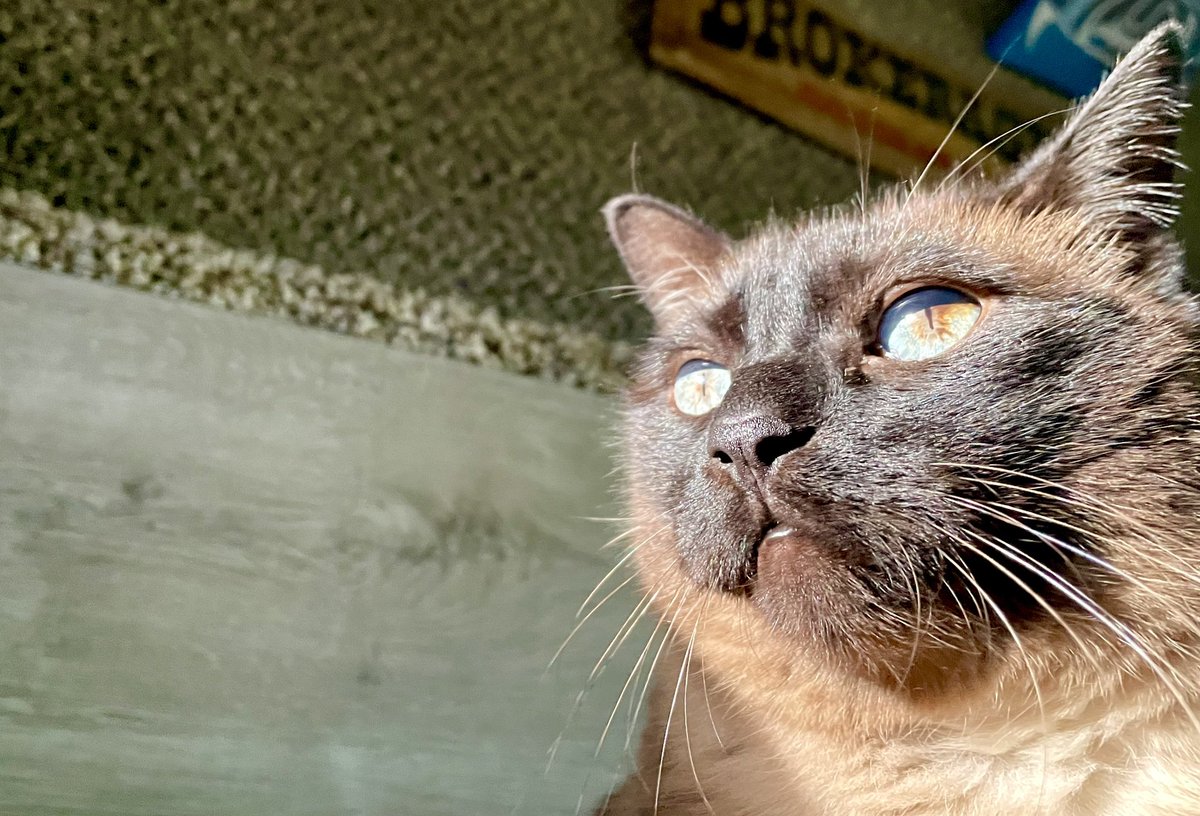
[[958, 580]]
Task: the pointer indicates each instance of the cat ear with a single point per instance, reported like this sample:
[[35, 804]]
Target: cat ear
[[1114, 161], [671, 255]]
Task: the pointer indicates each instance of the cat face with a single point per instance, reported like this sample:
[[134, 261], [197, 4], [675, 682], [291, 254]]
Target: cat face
[[898, 434]]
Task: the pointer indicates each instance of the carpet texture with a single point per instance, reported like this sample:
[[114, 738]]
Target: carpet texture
[[453, 146], [194, 267]]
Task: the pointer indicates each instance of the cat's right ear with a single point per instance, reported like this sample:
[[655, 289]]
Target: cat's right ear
[[673, 258], [1114, 161]]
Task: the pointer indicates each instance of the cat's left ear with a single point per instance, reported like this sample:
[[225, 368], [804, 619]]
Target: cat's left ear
[[1114, 160], [673, 257]]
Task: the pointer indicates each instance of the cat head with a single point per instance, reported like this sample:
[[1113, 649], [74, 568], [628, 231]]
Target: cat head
[[900, 437]]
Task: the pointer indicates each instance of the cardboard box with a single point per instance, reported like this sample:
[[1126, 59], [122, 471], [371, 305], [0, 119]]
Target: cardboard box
[[799, 62]]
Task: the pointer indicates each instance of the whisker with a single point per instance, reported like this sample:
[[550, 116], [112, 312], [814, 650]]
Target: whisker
[[1024, 585], [1006, 136], [618, 639], [616, 291], [585, 619], [708, 705], [1144, 536], [687, 737], [623, 560], [654, 663], [864, 163], [1007, 624], [866, 173], [1167, 676], [1091, 557], [916, 595], [622, 634], [667, 727], [950, 133], [968, 619], [629, 683]]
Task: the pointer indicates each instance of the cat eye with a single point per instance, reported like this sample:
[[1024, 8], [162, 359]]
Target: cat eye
[[926, 322], [700, 386]]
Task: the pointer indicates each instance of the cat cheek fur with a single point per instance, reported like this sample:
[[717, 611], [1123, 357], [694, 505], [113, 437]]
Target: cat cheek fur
[[983, 591]]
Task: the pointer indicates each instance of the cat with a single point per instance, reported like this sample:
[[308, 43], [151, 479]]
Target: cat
[[915, 488]]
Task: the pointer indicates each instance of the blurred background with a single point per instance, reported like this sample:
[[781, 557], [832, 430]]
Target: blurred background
[[249, 567]]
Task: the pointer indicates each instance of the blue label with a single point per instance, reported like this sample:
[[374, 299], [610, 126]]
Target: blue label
[[1070, 44]]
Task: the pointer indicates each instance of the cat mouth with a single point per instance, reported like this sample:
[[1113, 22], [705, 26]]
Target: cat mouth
[[787, 558], [777, 532], [774, 535]]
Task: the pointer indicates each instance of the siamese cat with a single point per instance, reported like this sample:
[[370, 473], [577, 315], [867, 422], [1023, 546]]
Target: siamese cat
[[916, 490]]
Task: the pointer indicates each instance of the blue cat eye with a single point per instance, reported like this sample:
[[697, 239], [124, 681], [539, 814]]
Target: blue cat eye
[[700, 386], [926, 322]]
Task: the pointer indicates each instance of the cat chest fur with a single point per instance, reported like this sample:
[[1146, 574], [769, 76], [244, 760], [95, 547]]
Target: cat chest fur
[[803, 755]]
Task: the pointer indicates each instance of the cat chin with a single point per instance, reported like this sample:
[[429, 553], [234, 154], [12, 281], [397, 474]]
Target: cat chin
[[796, 583], [811, 606], [810, 601], [802, 593]]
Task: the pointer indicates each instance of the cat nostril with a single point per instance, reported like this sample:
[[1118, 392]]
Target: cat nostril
[[754, 443], [772, 447]]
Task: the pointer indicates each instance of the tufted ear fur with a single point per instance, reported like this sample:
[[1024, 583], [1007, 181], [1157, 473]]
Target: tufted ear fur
[[672, 257], [1114, 161]]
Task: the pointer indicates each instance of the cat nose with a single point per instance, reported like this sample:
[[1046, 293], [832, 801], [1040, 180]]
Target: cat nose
[[749, 445]]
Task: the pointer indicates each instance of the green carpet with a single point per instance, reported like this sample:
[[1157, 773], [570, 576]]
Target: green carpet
[[458, 147]]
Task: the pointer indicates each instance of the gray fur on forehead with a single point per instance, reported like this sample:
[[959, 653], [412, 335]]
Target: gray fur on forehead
[[836, 268]]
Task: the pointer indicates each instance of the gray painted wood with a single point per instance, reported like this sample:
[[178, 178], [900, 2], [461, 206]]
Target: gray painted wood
[[252, 568]]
